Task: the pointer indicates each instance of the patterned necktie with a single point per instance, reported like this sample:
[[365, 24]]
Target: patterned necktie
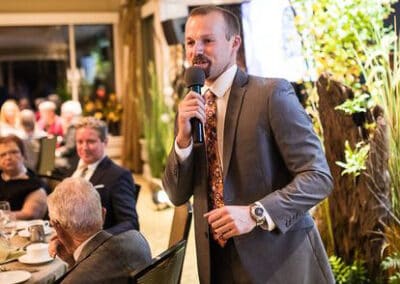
[[215, 180]]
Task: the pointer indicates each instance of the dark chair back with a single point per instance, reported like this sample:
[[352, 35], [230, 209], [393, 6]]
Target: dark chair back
[[165, 268], [181, 222], [47, 155]]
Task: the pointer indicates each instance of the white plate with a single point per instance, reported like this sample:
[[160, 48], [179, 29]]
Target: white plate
[[26, 234], [13, 277], [28, 260], [21, 224]]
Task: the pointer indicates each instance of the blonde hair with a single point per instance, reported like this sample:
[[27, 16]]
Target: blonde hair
[[96, 124], [10, 104]]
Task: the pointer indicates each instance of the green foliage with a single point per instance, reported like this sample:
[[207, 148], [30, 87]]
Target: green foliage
[[354, 159], [381, 70], [158, 125], [392, 263], [360, 103], [329, 28], [348, 274]]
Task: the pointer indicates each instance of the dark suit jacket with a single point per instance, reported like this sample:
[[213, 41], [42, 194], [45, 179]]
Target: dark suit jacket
[[272, 155], [109, 259], [118, 195]]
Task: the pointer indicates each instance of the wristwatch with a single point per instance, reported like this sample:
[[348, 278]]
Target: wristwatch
[[257, 213]]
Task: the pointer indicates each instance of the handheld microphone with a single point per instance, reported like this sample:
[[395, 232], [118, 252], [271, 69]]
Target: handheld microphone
[[194, 79]]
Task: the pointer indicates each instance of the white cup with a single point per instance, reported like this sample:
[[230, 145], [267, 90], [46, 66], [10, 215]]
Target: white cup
[[44, 223], [38, 251]]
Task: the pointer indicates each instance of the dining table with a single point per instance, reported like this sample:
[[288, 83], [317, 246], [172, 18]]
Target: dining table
[[40, 273]]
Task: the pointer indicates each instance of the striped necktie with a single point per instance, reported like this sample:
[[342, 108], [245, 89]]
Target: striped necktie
[[215, 177]]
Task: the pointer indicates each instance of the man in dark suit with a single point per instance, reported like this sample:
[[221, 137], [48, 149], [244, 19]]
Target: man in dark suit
[[114, 183], [93, 255], [253, 190]]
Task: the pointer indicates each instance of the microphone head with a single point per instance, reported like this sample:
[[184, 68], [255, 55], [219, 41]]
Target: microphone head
[[194, 76]]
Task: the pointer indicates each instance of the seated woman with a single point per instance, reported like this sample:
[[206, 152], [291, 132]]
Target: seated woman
[[19, 185], [10, 119]]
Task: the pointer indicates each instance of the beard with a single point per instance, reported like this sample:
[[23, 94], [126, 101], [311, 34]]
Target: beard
[[203, 62]]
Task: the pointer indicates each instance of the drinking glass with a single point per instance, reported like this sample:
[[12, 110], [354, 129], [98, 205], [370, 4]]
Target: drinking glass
[[7, 225], [5, 212]]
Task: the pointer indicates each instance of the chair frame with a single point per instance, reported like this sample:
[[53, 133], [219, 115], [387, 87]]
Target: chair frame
[[157, 262], [181, 223]]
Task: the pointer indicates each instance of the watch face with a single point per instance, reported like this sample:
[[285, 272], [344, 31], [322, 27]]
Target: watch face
[[259, 212]]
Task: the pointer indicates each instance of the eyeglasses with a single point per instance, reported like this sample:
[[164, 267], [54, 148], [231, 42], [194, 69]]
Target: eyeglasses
[[14, 152]]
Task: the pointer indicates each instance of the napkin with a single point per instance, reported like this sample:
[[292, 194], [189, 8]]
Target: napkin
[[8, 253]]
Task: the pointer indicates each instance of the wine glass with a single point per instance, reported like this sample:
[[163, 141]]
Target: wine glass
[[7, 224], [5, 212]]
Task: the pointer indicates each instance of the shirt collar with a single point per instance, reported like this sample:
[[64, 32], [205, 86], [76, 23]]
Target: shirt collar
[[91, 167], [79, 249], [223, 83]]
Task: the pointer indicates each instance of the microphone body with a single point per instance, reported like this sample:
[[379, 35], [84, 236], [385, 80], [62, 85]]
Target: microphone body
[[194, 78]]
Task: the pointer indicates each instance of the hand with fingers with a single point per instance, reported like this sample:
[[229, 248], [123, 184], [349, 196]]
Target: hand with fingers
[[230, 221], [61, 244], [193, 105]]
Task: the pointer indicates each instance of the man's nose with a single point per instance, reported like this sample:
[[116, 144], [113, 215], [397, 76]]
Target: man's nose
[[198, 48]]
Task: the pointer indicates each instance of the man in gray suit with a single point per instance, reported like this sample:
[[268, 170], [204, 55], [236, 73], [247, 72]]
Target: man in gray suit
[[273, 168], [93, 255]]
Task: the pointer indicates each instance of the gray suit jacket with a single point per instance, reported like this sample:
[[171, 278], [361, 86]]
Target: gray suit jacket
[[272, 155], [109, 259]]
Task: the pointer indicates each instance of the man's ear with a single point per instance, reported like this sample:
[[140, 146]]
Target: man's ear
[[237, 41], [103, 213]]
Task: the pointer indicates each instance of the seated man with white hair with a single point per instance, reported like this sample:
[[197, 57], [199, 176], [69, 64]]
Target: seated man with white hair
[[49, 121], [93, 255]]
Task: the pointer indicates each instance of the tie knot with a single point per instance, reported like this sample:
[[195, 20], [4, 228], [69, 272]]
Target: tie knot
[[210, 96]]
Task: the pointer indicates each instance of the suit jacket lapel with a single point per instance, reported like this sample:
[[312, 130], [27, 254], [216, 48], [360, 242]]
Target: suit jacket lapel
[[232, 114], [99, 172]]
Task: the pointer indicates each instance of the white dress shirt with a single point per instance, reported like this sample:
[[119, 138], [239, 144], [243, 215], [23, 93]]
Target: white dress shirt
[[90, 169]]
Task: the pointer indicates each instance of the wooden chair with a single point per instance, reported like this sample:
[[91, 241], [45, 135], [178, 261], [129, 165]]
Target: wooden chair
[[47, 155], [165, 268]]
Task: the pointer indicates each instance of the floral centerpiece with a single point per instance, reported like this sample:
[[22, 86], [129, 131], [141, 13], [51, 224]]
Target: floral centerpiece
[[105, 107]]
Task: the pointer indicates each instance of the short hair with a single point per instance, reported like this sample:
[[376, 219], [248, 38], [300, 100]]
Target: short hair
[[47, 105], [232, 22], [76, 205], [28, 120], [95, 124], [73, 107], [14, 139]]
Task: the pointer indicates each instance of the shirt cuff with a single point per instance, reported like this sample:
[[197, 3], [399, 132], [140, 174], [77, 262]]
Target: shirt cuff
[[183, 153], [269, 225]]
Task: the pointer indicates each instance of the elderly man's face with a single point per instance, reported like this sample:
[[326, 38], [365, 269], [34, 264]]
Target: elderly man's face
[[89, 146]]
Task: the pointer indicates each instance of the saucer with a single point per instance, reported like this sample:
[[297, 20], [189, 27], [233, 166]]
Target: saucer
[[13, 277], [26, 234], [28, 260]]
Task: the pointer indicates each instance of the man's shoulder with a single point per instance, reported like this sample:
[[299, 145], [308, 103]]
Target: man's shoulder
[[109, 166]]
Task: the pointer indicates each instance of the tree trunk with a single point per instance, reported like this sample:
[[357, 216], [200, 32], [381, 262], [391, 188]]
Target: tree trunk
[[356, 204]]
